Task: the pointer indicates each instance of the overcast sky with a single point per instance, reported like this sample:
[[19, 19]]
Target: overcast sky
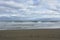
[[30, 9]]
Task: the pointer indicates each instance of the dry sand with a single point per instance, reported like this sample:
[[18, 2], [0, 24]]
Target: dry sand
[[42, 34]]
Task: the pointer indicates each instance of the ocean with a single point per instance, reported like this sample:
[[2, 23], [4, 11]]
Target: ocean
[[28, 25]]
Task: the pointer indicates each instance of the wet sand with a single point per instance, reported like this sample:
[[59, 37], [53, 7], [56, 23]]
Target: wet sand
[[40, 34]]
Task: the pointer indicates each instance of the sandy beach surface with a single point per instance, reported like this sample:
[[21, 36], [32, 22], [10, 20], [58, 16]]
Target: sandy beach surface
[[40, 34]]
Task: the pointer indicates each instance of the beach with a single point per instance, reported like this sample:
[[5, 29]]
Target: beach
[[41, 34]]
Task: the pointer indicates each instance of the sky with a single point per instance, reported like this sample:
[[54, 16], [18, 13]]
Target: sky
[[30, 9]]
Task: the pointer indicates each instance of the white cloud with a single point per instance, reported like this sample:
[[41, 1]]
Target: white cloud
[[28, 9], [53, 4]]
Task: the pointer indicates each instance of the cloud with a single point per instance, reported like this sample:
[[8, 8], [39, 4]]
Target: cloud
[[30, 8]]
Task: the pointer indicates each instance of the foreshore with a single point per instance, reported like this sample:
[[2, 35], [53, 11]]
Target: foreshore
[[36, 34]]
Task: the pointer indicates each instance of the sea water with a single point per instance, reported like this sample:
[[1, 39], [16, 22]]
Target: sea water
[[28, 25]]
